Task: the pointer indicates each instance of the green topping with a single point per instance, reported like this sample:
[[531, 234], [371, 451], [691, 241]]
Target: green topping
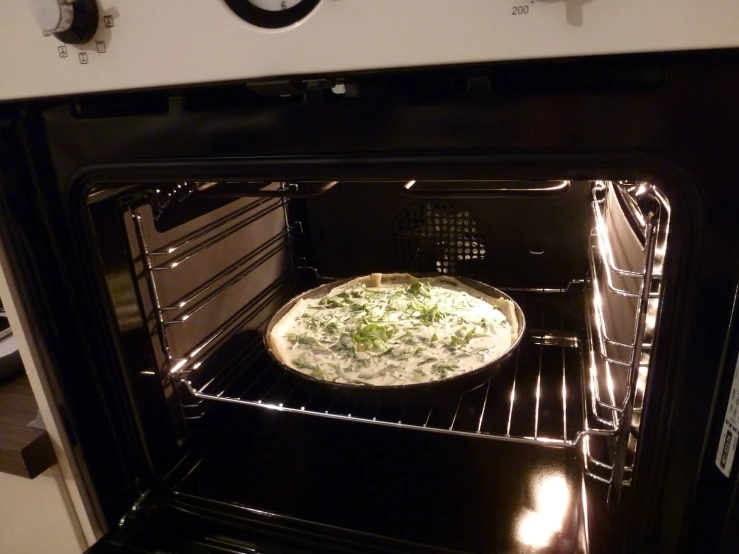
[[331, 302], [373, 336], [303, 363], [304, 339], [429, 314], [420, 289], [395, 334]]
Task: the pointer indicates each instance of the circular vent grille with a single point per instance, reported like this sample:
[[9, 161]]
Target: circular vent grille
[[437, 237]]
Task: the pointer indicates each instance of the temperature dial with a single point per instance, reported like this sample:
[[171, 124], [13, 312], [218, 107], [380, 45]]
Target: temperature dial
[[71, 21]]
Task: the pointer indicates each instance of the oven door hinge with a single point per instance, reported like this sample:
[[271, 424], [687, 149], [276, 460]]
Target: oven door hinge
[[139, 507]]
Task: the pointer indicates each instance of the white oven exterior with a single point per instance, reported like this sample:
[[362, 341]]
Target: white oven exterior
[[171, 42]]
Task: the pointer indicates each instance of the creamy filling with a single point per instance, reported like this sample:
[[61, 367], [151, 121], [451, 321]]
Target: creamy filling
[[394, 334]]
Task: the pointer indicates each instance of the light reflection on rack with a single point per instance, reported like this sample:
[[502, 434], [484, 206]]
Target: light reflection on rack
[[269, 249], [606, 250], [655, 227], [525, 439], [210, 228], [189, 254], [232, 324], [603, 412], [208, 291]]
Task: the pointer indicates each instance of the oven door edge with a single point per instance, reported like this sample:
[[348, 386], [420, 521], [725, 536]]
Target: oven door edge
[[84, 506], [163, 521]]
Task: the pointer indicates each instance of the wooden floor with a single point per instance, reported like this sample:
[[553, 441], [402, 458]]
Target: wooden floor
[[24, 450]]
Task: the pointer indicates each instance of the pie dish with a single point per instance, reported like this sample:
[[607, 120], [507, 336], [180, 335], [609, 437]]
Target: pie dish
[[390, 331]]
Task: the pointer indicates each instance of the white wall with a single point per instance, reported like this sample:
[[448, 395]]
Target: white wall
[[36, 515]]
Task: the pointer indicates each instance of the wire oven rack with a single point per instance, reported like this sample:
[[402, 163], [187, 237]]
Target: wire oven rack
[[625, 362], [557, 390], [536, 396]]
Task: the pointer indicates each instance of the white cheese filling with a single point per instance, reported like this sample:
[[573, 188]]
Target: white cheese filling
[[381, 333]]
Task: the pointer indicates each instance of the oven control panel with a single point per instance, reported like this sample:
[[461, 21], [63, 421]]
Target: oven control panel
[[58, 47]]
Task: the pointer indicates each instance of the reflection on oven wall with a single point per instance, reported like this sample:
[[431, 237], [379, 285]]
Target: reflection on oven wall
[[203, 272]]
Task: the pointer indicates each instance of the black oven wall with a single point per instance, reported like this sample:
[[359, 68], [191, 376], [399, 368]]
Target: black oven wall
[[361, 227]]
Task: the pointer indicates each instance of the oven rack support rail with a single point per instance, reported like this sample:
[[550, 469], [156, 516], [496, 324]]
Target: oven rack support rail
[[630, 370], [184, 250]]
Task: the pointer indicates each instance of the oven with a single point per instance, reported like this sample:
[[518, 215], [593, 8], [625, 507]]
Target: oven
[[163, 197]]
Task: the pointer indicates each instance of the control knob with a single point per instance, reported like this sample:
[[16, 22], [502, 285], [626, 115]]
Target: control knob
[[71, 21]]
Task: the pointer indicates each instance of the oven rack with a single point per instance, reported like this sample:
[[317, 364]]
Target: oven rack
[[535, 397]]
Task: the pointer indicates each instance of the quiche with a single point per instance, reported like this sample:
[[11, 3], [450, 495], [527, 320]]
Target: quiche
[[394, 329]]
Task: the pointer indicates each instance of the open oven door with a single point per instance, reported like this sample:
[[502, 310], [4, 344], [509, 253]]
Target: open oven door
[[164, 530]]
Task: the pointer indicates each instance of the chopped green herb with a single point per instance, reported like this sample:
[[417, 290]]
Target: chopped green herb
[[307, 340], [409, 333], [331, 302], [417, 288], [306, 364]]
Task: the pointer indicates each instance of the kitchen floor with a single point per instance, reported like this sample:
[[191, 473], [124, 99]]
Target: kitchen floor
[[34, 517]]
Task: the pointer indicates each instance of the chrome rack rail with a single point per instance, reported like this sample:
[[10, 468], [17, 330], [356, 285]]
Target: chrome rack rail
[[628, 370], [187, 249], [255, 313], [211, 289]]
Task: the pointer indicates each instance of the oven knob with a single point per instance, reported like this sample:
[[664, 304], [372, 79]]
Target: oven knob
[[71, 21]]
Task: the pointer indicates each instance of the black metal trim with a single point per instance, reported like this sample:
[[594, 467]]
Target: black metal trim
[[268, 19]]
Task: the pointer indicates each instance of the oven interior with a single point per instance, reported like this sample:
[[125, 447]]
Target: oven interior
[[539, 456]]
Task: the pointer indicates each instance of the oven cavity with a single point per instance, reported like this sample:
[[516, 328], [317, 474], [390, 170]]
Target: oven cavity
[[590, 289]]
